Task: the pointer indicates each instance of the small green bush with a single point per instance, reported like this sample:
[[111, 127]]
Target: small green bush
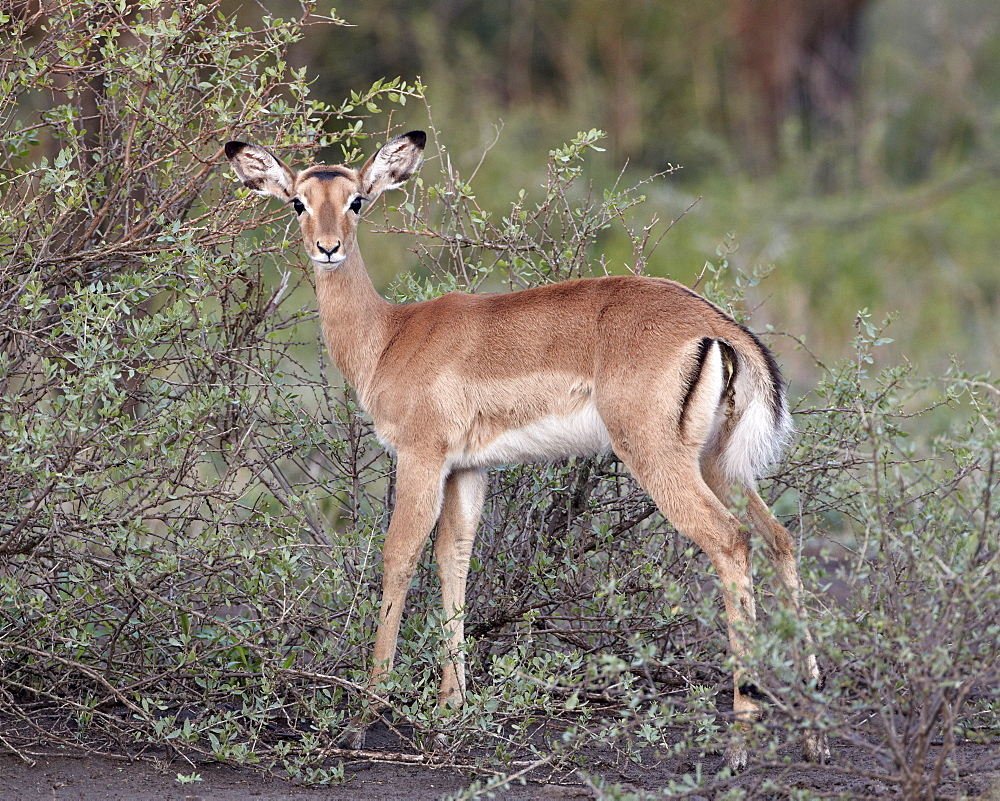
[[162, 580]]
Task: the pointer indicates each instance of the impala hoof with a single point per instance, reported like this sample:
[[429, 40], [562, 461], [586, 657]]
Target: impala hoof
[[815, 748], [736, 757], [353, 737]]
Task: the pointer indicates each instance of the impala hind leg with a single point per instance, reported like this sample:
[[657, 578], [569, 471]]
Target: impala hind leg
[[780, 549], [695, 510], [464, 492], [419, 487]]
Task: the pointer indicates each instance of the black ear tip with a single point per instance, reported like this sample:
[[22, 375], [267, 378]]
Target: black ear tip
[[419, 138], [233, 149]]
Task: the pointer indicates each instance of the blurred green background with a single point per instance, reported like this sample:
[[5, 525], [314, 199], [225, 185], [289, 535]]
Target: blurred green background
[[853, 145]]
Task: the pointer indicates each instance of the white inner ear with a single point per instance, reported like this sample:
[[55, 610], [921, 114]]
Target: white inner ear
[[256, 161], [280, 176]]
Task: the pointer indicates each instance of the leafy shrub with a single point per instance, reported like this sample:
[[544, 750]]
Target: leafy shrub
[[162, 581]]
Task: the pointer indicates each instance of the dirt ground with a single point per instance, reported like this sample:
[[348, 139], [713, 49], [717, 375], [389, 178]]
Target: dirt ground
[[58, 774]]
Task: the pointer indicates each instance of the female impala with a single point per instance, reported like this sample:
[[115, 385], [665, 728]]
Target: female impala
[[687, 398]]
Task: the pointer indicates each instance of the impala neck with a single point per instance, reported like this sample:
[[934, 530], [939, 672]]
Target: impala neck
[[355, 320]]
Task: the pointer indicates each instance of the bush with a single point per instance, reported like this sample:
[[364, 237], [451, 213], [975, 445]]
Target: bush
[[160, 575], [193, 504]]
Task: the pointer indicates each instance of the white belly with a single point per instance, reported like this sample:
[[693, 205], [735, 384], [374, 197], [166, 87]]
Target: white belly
[[581, 433]]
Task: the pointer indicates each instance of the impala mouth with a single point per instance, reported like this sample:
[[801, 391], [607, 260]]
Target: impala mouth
[[329, 261]]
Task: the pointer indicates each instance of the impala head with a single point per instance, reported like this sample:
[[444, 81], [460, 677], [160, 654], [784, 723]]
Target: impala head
[[328, 200]]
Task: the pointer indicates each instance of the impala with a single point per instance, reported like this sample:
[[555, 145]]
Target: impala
[[688, 399]]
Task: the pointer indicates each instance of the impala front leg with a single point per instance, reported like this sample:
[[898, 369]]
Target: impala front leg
[[463, 502], [418, 503]]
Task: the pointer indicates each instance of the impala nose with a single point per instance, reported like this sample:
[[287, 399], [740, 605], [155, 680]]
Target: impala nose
[[328, 252]]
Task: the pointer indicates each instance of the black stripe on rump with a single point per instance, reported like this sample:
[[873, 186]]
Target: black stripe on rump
[[693, 375], [774, 372]]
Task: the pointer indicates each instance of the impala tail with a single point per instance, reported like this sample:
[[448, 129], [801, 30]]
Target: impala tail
[[750, 421]]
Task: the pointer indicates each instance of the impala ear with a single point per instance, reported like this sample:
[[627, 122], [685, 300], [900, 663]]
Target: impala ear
[[393, 163], [261, 171]]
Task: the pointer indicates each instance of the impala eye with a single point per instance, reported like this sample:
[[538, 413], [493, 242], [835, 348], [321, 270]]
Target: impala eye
[[356, 205], [298, 205]]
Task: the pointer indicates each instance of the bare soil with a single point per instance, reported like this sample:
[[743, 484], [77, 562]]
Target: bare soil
[[61, 774]]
